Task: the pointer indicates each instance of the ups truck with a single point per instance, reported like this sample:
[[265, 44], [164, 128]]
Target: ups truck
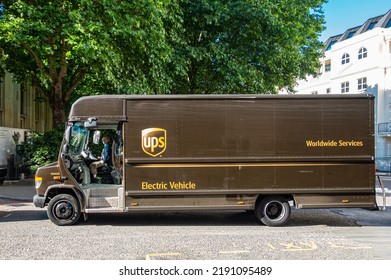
[[260, 153]]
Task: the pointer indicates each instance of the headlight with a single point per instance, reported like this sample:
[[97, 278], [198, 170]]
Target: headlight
[[38, 182]]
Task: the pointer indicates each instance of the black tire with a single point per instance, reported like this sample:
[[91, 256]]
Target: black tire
[[64, 210], [273, 210]]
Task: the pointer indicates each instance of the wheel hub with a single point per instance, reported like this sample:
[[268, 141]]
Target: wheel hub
[[63, 210], [274, 210]]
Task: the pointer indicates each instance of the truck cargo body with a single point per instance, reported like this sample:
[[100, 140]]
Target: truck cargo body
[[223, 152]]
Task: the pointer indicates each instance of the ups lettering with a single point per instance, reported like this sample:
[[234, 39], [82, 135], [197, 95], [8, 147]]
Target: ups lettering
[[153, 142]]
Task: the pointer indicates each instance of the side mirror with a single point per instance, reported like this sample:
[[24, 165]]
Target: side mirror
[[67, 134], [65, 149], [96, 138]]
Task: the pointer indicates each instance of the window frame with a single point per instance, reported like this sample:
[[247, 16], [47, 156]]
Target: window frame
[[345, 59], [362, 84], [372, 25], [345, 87], [327, 65], [350, 34], [362, 53]]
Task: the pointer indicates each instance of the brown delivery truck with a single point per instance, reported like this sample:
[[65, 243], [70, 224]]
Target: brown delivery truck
[[212, 152]]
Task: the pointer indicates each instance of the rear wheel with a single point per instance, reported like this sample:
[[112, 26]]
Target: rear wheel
[[64, 210], [273, 211]]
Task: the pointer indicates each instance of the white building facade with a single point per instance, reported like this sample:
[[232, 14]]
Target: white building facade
[[359, 61]]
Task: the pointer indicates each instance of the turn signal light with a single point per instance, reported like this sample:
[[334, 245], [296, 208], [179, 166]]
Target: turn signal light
[[59, 178]]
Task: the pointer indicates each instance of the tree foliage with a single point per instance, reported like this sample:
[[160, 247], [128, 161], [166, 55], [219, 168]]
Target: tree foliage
[[68, 48], [248, 46], [56, 45], [41, 148]]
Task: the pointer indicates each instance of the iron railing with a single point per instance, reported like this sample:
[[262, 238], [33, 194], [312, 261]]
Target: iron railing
[[384, 128]]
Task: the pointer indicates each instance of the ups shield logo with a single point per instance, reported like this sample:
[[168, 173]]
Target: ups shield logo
[[153, 141]]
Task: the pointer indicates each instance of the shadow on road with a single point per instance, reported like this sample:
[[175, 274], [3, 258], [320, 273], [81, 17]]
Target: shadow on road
[[25, 215], [12, 211], [16, 211], [299, 218]]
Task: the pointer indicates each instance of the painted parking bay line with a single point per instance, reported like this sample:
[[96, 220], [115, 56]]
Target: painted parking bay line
[[312, 246], [336, 246], [161, 256], [235, 252]]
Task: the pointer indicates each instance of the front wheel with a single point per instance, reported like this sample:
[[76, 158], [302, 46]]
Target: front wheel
[[64, 210], [273, 211]]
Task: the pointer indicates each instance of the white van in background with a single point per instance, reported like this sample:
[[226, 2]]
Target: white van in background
[[9, 138]]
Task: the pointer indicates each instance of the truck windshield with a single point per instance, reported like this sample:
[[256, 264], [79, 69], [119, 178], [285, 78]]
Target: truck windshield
[[79, 135]]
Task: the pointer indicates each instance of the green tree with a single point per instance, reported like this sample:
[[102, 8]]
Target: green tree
[[58, 45], [68, 48], [42, 148], [247, 46]]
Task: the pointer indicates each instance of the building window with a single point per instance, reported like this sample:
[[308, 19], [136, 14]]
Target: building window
[[23, 99], [388, 25], [330, 45], [327, 66], [23, 106], [351, 34], [22, 122], [344, 87], [328, 90], [345, 58], [362, 53], [37, 110], [372, 25], [362, 83]]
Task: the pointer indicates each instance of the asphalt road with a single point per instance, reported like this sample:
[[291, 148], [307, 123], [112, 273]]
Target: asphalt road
[[327, 234]]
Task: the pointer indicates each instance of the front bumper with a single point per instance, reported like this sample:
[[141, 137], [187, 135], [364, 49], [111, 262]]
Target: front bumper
[[39, 201]]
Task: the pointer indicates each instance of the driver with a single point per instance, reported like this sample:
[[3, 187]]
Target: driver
[[105, 159]]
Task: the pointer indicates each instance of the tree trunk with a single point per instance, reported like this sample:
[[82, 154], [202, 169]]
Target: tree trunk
[[57, 104]]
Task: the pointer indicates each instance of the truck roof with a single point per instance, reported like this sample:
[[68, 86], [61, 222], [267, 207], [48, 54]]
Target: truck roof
[[113, 106]]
